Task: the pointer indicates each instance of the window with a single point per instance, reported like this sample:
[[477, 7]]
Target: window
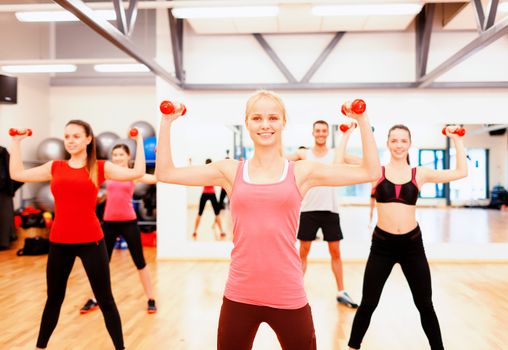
[[434, 159]]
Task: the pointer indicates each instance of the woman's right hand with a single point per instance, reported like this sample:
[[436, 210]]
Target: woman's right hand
[[21, 134], [178, 110]]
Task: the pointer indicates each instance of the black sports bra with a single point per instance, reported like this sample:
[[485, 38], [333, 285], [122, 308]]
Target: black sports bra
[[388, 192]]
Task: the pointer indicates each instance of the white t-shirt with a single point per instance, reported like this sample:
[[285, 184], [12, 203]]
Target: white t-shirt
[[320, 198]]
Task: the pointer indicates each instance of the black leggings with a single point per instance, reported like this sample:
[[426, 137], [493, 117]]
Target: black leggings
[[130, 232], [95, 261], [222, 198], [388, 249], [208, 197]]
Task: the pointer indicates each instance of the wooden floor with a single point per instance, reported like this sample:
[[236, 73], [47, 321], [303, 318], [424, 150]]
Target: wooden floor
[[439, 225], [471, 302]]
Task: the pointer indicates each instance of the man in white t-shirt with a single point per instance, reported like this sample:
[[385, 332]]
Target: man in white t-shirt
[[320, 210]]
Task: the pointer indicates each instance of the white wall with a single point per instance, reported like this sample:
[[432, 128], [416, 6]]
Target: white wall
[[23, 41], [357, 58], [498, 157], [31, 111], [106, 108]]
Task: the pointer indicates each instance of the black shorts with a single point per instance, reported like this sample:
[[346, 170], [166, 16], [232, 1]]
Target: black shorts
[[311, 221]]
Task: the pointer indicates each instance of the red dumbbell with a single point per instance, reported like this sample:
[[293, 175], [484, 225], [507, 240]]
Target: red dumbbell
[[16, 132], [346, 127], [133, 132], [168, 107], [460, 131], [358, 106]]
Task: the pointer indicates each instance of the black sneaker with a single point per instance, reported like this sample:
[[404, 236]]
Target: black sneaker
[[90, 306], [151, 308], [345, 299]]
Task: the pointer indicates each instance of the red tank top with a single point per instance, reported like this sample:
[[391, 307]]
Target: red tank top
[[209, 189], [75, 199]]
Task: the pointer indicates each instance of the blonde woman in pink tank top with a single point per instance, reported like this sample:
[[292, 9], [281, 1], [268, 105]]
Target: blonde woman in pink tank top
[[265, 282]]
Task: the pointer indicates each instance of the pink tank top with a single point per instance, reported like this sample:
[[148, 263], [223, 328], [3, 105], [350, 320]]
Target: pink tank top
[[265, 266], [119, 201]]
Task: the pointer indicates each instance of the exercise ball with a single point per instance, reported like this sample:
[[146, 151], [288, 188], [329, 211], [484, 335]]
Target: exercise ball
[[129, 142], [44, 198], [150, 144], [104, 142], [145, 128], [51, 149], [140, 190], [144, 214]]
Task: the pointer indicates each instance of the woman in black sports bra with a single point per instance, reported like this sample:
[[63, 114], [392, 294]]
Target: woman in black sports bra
[[397, 237]]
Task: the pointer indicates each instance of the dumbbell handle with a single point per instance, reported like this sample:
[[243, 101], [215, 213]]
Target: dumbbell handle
[[169, 107], [346, 127], [358, 106], [16, 132], [460, 131], [133, 132]]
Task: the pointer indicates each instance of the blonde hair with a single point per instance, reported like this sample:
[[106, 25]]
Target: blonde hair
[[260, 94]]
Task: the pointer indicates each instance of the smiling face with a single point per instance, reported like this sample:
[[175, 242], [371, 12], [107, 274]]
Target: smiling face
[[120, 156], [75, 139], [265, 120], [399, 142], [320, 133]]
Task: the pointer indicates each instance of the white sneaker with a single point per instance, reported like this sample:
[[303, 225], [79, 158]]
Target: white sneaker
[[345, 299]]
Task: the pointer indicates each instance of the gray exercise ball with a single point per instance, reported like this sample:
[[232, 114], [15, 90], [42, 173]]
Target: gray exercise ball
[[143, 212], [44, 198], [140, 190], [104, 142], [145, 128], [51, 149], [129, 142]]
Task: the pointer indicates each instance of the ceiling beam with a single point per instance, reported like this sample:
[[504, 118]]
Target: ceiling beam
[[341, 86], [322, 57], [110, 33], [483, 40], [296, 86], [479, 14], [176, 31], [492, 12], [121, 19], [132, 15], [274, 57], [423, 31]]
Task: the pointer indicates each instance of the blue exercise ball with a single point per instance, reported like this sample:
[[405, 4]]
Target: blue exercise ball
[[150, 143]]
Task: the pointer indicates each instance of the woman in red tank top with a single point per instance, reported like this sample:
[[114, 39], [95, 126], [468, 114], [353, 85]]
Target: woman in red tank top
[[76, 231], [265, 193], [397, 237], [208, 194]]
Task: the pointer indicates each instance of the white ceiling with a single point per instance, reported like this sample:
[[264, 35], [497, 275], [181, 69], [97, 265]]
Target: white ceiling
[[297, 18], [465, 18], [295, 15]]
